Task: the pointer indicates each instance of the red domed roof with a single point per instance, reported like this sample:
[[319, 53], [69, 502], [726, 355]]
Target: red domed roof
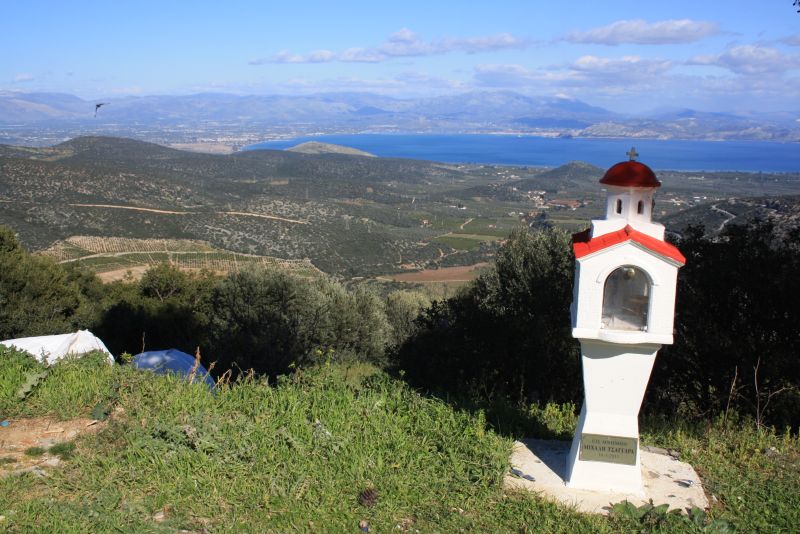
[[630, 174]]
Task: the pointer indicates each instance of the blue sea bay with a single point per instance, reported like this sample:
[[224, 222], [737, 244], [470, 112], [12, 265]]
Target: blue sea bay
[[682, 155]]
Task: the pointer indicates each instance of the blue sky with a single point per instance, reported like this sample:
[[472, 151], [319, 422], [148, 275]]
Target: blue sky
[[738, 55]]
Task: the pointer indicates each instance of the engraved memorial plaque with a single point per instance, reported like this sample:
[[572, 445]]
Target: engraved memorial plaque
[[610, 449]]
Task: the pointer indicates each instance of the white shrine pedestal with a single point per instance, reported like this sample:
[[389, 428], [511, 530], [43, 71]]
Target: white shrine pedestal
[[605, 450]]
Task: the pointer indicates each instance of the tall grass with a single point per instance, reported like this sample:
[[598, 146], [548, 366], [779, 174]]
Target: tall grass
[[68, 389], [15, 369], [751, 474], [295, 456], [291, 456]]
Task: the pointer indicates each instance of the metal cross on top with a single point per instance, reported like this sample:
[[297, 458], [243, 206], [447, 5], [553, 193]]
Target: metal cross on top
[[632, 154]]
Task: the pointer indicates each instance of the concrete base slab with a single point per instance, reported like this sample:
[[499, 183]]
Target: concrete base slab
[[666, 480]]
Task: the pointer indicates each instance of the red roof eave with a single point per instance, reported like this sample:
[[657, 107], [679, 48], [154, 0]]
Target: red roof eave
[[583, 244]]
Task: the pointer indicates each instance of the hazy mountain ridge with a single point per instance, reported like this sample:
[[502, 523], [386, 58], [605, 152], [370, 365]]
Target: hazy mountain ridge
[[469, 112]]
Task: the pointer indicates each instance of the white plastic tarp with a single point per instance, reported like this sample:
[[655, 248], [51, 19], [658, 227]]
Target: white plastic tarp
[[50, 349]]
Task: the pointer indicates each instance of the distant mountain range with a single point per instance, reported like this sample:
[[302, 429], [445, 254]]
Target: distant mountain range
[[474, 112]]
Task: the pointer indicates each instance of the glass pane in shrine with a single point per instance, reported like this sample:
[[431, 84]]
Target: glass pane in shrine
[[626, 299]]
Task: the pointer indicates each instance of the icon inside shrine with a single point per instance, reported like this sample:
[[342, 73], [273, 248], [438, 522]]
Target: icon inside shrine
[[626, 296]]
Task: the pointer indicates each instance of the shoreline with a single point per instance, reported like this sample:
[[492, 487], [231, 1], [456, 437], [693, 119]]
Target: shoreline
[[529, 150]]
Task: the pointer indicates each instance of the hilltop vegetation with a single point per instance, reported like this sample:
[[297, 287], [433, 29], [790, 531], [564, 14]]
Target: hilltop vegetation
[[267, 319], [115, 258], [507, 334], [783, 212]]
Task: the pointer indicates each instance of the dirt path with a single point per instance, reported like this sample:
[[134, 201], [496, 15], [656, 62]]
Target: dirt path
[[168, 252], [132, 208], [730, 216], [260, 216], [466, 223], [43, 432], [169, 212]]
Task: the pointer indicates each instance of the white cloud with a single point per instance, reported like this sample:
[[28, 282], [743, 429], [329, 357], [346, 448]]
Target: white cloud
[[792, 40], [404, 84], [643, 32], [350, 55], [284, 56], [505, 75], [359, 55], [642, 83], [24, 77], [321, 56], [403, 43], [765, 89], [750, 60], [626, 67], [498, 41], [406, 43], [591, 72]]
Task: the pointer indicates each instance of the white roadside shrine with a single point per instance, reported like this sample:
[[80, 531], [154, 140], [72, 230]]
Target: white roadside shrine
[[622, 313]]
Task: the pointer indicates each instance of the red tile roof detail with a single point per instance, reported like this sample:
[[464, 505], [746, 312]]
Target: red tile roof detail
[[583, 244], [630, 174]]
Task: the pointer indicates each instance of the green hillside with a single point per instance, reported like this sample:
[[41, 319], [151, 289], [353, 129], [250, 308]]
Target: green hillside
[[349, 215]]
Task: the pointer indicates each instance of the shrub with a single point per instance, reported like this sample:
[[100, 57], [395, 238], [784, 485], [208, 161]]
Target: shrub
[[167, 308], [736, 316], [268, 320], [38, 296], [507, 334], [402, 310], [736, 341]]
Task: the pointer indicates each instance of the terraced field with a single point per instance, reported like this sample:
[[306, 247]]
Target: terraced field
[[464, 241], [113, 257]]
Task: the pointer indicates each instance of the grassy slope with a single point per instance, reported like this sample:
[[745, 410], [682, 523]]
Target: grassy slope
[[294, 457]]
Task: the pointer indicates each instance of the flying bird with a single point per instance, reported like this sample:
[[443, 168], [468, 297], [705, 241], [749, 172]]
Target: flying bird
[[97, 106]]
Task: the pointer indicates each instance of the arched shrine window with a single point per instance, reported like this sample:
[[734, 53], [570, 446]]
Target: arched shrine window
[[619, 206], [626, 299]]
